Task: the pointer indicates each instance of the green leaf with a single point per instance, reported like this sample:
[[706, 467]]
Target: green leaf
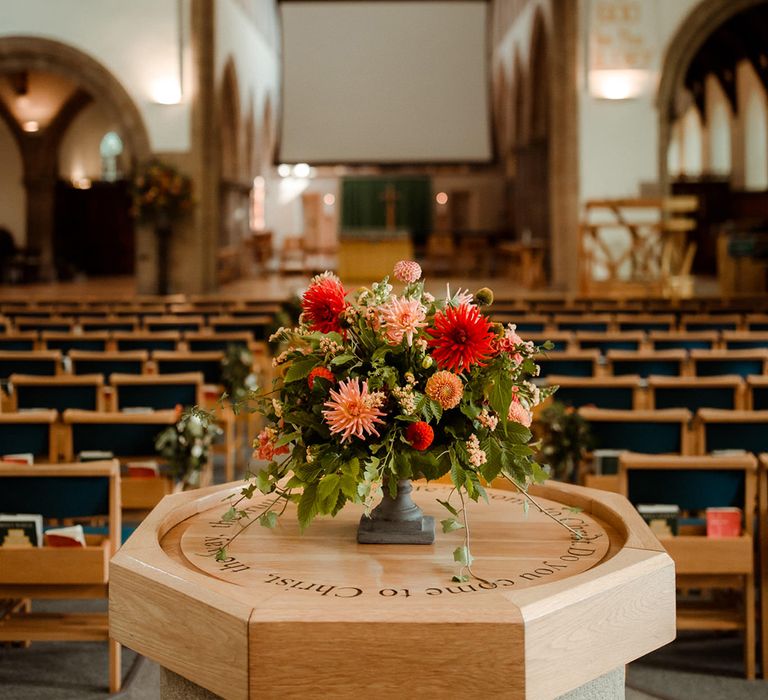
[[307, 505], [451, 524], [262, 481], [539, 475], [342, 359], [460, 579], [299, 369], [352, 467], [436, 409], [328, 488], [348, 486], [230, 515], [268, 519], [221, 554], [501, 394], [285, 439], [462, 555], [458, 475], [448, 507]]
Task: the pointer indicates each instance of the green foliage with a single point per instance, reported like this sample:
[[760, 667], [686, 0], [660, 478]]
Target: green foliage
[[565, 438], [237, 374], [187, 444]]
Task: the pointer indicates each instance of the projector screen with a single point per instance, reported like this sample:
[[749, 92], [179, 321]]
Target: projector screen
[[384, 82]]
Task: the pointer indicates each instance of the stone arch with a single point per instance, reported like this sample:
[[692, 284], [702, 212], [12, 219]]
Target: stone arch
[[694, 30], [19, 53], [230, 124]]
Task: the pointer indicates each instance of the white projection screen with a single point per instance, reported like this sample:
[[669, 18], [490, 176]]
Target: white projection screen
[[385, 82]]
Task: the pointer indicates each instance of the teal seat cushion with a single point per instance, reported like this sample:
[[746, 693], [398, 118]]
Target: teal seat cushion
[[752, 437], [692, 490], [665, 368], [58, 397], [694, 398], [122, 439], [25, 437], [55, 496], [157, 397], [603, 397], [637, 436]]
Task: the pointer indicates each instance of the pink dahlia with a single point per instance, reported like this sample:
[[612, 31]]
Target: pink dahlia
[[353, 410], [407, 271], [511, 342], [401, 318], [461, 337], [446, 388], [519, 413], [323, 304]]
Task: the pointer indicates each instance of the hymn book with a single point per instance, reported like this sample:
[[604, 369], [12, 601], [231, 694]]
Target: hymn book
[[72, 536], [21, 530]]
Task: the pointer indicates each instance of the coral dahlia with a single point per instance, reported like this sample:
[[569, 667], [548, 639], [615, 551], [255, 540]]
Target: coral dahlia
[[407, 271], [353, 410], [321, 371], [265, 445], [419, 435], [446, 388], [402, 318], [519, 413], [461, 337], [323, 304]]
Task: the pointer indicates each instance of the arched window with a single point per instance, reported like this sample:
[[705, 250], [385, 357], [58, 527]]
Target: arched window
[[693, 141], [674, 150], [718, 128], [755, 116], [110, 149]]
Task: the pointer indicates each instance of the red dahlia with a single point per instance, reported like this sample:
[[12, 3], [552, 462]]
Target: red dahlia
[[321, 371], [419, 435], [323, 303], [461, 337]]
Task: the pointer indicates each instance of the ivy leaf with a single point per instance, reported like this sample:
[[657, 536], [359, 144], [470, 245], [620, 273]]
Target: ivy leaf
[[307, 505], [462, 555], [451, 524], [460, 579], [539, 475], [262, 481], [221, 554], [268, 519], [230, 515], [299, 369], [448, 507]]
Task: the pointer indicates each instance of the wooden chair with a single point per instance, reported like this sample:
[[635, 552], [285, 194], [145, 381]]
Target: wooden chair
[[621, 393], [46, 323], [142, 340], [683, 340], [257, 325], [646, 322], [156, 391], [84, 391], [710, 363], [594, 323], [33, 432], [762, 511], [526, 323], [61, 491], [648, 431], [128, 436], [40, 362], [17, 342], [731, 430], [757, 393], [173, 323], [710, 322], [209, 363], [670, 363], [576, 363], [106, 363], [112, 324], [756, 322], [693, 393], [617, 340], [745, 340], [694, 484], [65, 342], [216, 341]]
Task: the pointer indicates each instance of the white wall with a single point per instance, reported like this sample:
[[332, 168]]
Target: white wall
[[13, 199], [252, 40], [136, 41]]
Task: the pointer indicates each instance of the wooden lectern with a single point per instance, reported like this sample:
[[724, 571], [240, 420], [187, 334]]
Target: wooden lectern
[[288, 615]]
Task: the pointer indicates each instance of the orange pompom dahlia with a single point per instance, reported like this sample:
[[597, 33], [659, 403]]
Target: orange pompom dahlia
[[446, 388]]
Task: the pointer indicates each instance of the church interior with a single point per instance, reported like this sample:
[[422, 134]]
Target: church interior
[[178, 176]]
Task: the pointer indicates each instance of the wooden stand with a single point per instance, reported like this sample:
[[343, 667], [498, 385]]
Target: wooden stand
[[553, 616]]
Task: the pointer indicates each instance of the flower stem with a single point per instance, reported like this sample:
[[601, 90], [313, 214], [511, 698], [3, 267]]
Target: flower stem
[[539, 507]]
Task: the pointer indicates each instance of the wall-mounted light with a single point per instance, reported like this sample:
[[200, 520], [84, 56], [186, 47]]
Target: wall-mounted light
[[329, 200], [301, 170], [31, 126], [166, 91], [441, 198], [283, 170], [82, 183], [619, 84]]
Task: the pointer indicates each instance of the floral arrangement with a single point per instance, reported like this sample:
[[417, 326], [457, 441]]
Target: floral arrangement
[[565, 439], [375, 386], [237, 373], [161, 193], [186, 446]]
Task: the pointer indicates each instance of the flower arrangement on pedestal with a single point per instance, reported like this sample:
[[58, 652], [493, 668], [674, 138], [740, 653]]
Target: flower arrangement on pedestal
[[376, 388]]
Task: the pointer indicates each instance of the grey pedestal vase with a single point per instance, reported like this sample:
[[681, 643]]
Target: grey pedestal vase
[[397, 520]]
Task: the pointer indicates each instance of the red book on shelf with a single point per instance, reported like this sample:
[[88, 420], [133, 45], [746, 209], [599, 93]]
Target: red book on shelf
[[65, 536], [723, 522], [21, 458], [143, 470]]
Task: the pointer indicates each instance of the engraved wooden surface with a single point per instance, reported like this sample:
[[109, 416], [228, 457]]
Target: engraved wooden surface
[[373, 615]]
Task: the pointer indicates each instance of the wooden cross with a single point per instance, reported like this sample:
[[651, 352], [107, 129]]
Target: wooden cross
[[390, 198]]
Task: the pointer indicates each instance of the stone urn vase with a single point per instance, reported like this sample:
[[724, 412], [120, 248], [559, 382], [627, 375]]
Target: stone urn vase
[[397, 520]]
